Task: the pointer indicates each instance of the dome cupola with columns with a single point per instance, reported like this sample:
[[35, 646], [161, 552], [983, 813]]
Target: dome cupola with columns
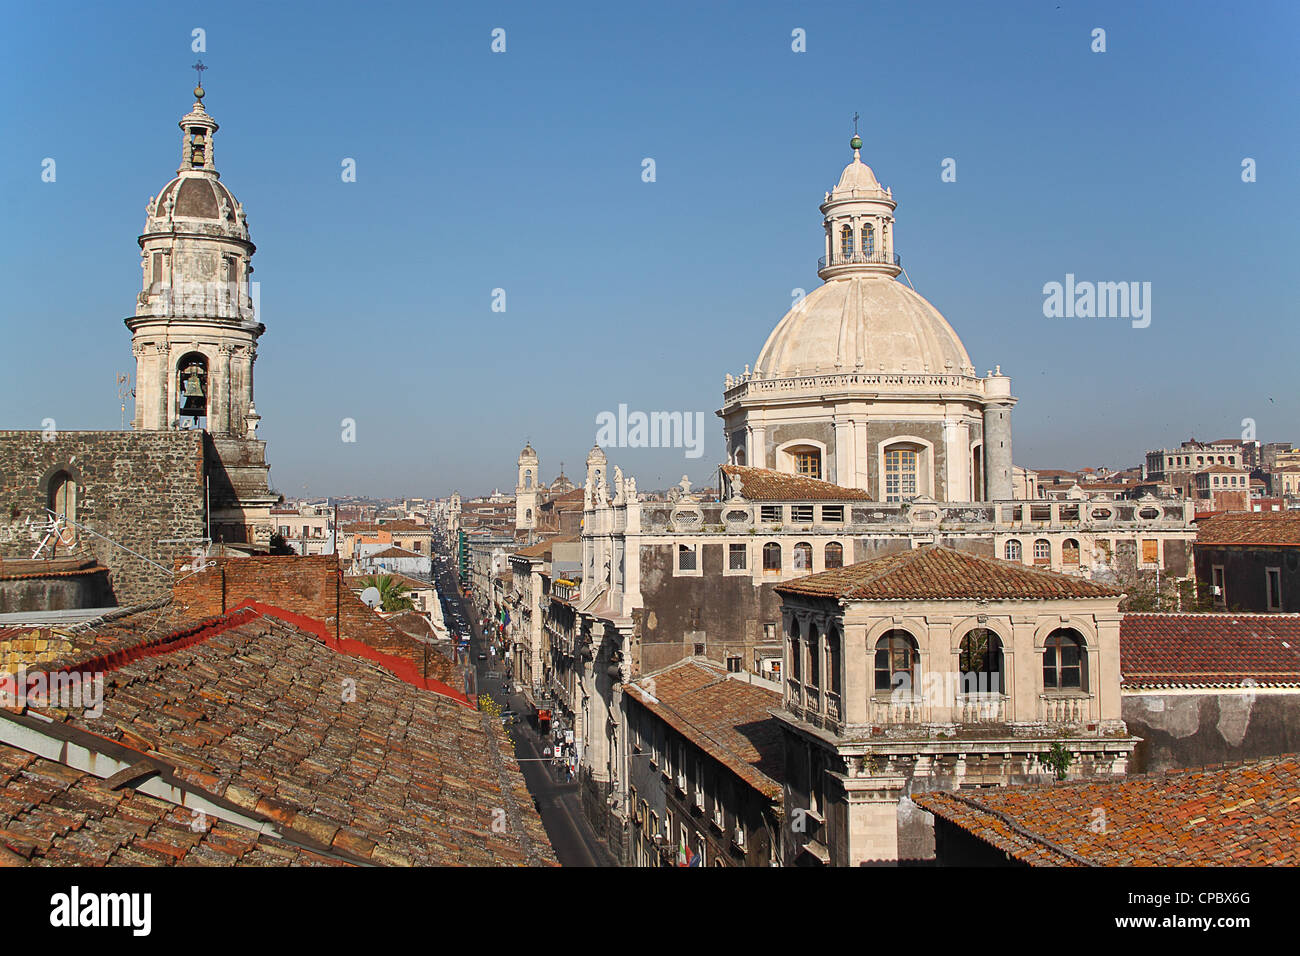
[[194, 331], [863, 382]]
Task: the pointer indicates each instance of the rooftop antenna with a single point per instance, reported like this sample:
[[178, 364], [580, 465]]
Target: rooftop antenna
[[124, 391]]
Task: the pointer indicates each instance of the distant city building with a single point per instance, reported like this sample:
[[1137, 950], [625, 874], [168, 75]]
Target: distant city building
[[1250, 561]]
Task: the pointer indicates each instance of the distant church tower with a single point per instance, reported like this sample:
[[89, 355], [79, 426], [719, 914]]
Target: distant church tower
[[526, 490], [194, 332]]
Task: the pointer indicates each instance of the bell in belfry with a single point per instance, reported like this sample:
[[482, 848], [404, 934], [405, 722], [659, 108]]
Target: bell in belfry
[[194, 402]]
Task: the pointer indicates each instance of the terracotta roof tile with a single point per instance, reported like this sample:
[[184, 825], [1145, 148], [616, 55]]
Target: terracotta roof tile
[[728, 719], [1250, 528], [1210, 650], [269, 718], [765, 484], [397, 553], [13, 569], [937, 573], [1236, 815]]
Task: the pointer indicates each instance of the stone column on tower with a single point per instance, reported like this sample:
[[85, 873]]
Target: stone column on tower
[[997, 436]]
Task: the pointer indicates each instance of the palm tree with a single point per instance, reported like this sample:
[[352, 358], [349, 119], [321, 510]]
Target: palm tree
[[392, 593]]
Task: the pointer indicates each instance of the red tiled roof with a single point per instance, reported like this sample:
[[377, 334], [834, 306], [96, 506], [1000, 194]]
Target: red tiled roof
[[765, 484], [942, 574], [14, 569], [397, 553], [1250, 528], [539, 550], [727, 719], [248, 710], [54, 815], [1245, 814], [1209, 650]]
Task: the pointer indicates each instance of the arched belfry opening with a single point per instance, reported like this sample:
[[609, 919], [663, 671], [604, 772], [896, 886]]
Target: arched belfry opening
[[192, 389]]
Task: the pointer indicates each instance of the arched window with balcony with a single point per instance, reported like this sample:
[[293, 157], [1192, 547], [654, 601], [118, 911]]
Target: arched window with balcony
[[896, 663], [846, 242], [980, 662], [1012, 551], [868, 240], [834, 555], [803, 558], [771, 556], [1065, 660]]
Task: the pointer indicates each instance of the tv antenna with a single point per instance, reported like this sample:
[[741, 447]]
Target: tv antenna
[[124, 391]]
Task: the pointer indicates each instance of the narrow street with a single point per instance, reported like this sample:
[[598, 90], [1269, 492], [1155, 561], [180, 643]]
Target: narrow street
[[557, 800]]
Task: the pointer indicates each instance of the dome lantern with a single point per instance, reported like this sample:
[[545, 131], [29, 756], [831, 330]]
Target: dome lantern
[[859, 222]]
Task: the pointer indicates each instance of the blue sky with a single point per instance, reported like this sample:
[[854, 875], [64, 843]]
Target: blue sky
[[522, 171]]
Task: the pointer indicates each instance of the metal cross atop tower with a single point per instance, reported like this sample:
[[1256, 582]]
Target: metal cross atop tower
[[199, 68], [855, 123]]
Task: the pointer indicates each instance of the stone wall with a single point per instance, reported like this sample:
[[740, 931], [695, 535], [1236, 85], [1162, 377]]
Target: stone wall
[[723, 612], [1194, 730], [137, 488], [57, 591]]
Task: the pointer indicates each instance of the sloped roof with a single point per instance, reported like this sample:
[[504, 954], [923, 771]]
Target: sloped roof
[[765, 484], [1209, 650], [54, 815], [1277, 528], [1235, 815], [727, 719], [539, 550], [940, 574], [397, 553], [247, 708]]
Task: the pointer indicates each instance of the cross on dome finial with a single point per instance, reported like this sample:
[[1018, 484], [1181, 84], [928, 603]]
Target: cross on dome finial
[[198, 87], [856, 142]]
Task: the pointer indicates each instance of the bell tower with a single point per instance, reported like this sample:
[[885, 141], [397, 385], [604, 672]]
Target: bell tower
[[194, 332], [526, 490]]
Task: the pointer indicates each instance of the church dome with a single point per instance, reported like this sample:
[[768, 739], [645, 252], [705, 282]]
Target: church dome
[[197, 197], [868, 323], [857, 178]]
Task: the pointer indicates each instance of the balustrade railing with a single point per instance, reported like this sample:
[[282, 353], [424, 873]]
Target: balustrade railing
[[1063, 709], [981, 708], [872, 257]]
